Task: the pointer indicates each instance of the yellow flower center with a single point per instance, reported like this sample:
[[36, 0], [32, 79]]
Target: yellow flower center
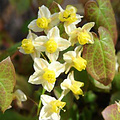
[[42, 22], [27, 46], [68, 15], [75, 87], [51, 46], [49, 76], [57, 105], [83, 37], [79, 63]]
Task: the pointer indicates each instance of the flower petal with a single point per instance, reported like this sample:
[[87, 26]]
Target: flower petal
[[31, 35], [48, 86], [45, 113], [68, 56], [65, 84], [40, 43], [88, 26], [44, 12], [53, 56], [46, 99], [36, 78], [78, 50], [71, 76], [20, 95], [61, 10], [33, 26], [54, 20], [57, 67], [53, 33], [69, 28], [78, 19], [63, 44], [55, 116], [40, 64]]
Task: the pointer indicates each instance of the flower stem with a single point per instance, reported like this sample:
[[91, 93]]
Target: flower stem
[[39, 105]]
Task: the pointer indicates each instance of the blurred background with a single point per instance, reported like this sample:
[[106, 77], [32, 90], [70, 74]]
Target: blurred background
[[15, 15]]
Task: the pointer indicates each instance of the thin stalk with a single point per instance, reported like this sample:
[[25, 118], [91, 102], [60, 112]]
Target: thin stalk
[[39, 105]]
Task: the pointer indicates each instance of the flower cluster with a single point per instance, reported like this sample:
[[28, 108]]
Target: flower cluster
[[47, 70]]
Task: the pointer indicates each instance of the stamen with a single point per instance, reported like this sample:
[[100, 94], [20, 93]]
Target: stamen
[[51, 46], [79, 63], [42, 22], [49, 76], [27, 46], [83, 37]]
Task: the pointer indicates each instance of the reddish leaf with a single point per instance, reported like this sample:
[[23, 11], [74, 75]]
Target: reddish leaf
[[101, 12], [111, 113], [100, 57], [7, 83]]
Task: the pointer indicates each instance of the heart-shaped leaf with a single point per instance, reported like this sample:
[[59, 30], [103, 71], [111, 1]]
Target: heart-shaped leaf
[[111, 113], [100, 57], [7, 83], [101, 12]]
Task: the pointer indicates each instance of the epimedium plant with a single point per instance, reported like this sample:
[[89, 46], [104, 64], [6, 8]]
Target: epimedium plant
[[81, 49]]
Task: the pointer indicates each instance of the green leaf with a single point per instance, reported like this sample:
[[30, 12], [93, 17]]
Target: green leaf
[[10, 51], [111, 113], [13, 115], [101, 12], [21, 5], [7, 83], [115, 97], [100, 57]]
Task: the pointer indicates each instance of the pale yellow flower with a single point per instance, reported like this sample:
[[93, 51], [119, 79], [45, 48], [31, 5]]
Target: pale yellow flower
[[51, 108], [45, 20], [51, 44], [74, 59], [70, 84], [20, 97], [46, 73], [27, 46], [69, 16], [80, 34]]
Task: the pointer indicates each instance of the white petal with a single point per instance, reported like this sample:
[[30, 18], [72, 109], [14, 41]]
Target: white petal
[[55, 116], [57, 67], [48, 86], [46, 99], [36, 54], [53, 56], [45, 113], [88, 26], [53, 33], [67, 67], [68, 56], [54, 20], [21, 50], [39, 43], [71, 76], [31, 35], [78, 19], [69, 28], [20, 95], [79, 50], [44, 12], [61, 10], [33, 26], [91, 40], [63, 44], [40, 64], [36, 78], [65, 84]]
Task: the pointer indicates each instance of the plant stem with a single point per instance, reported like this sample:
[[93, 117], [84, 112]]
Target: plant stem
[[39, 105]]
